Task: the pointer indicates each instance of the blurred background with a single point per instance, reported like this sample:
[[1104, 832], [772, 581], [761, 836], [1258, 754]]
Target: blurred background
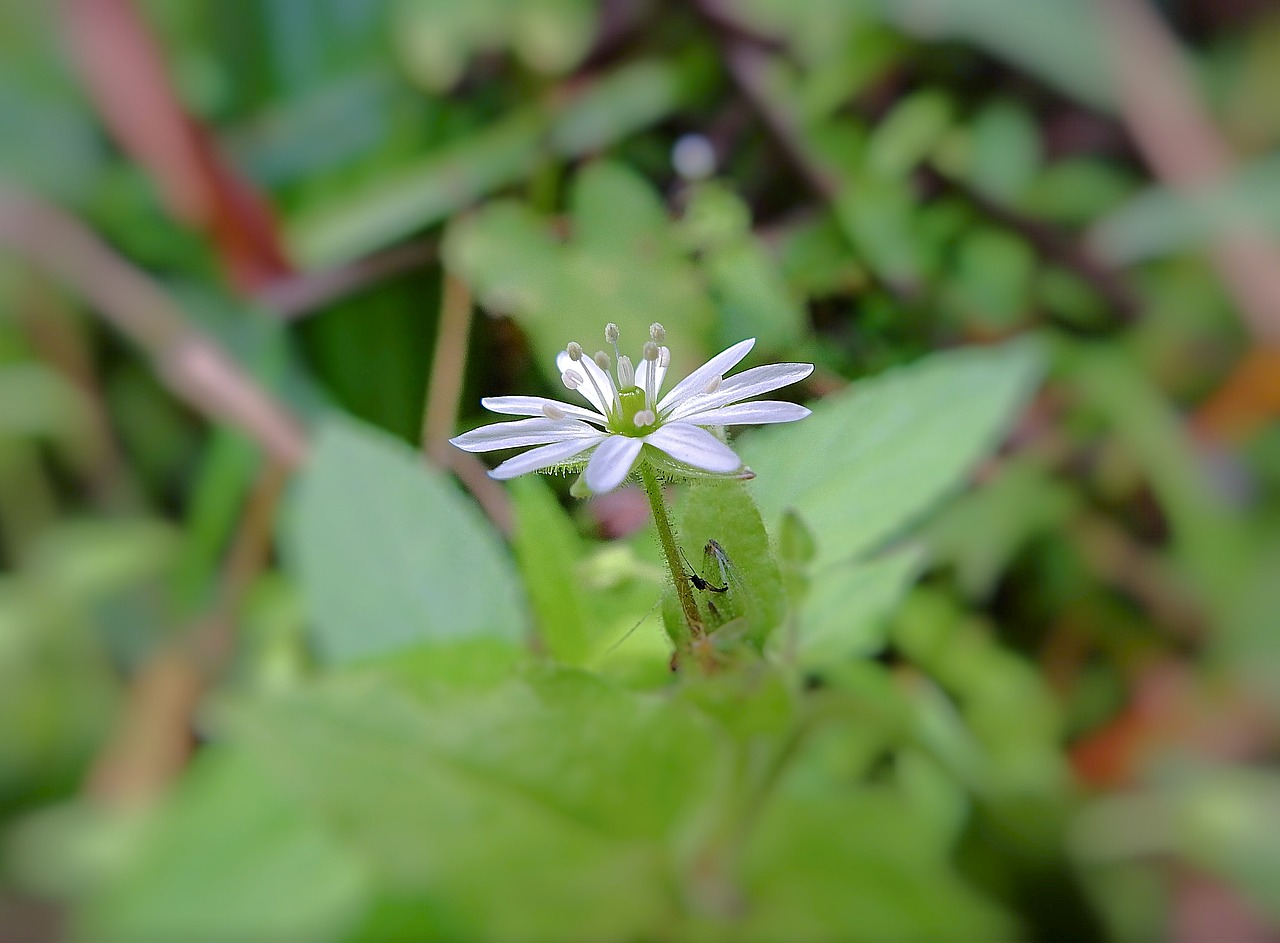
[[221, 220]]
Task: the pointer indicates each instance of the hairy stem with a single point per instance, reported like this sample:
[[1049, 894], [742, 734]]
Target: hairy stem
[[671, 552]]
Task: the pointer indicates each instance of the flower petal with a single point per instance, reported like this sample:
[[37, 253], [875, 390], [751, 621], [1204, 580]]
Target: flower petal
[[611, 462], [744, 385], [544, 457], [694, 446], [523, 432], [757, 413], [587, 367], [532, 406], [696, 382]]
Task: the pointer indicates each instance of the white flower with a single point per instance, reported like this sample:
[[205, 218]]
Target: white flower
[[627, 421]]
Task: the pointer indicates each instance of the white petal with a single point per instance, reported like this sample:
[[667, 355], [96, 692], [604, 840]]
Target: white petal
[[697, 381], [523, 432], [587, 367], [611, 462], [744, 385], [757, 413], [532, 406], [688, 443], [544, 457]]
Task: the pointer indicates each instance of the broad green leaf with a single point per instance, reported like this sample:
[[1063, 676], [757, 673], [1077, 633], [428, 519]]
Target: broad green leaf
[[859, 866], [547, 551], [845, 611], [389, 555], [539, 810], [229, 858], [871, 460]]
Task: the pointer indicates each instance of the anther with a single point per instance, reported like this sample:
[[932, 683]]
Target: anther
[[611, 333], [650, 351], [571, 378], [551, 411], [713, 384], [602, 360], [644, 418], [574, 350], [664, 357], [657, 333]]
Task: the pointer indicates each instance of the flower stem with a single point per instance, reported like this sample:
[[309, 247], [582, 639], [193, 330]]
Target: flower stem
[[672, 553]]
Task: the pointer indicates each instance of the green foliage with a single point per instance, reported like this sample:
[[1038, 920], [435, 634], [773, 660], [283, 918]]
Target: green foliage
[[389, 555]]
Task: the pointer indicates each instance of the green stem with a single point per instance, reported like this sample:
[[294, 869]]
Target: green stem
[[669, 549]]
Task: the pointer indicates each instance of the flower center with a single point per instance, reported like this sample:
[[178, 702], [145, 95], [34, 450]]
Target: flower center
[[633, 418]]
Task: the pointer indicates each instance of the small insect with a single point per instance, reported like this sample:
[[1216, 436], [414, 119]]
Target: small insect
[[700, 582]]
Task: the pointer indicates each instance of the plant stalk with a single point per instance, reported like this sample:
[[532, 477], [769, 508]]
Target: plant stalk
[[672, 553]]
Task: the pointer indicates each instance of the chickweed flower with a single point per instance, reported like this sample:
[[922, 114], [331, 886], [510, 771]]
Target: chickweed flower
[[627, 422]]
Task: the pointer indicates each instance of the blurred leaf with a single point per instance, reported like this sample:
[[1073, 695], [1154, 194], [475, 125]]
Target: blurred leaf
[[422, 194], [845, 612], [871, 460], [907, 134], [571, 786], [548, 550], [228, 857], [621, 265], [389, 555]]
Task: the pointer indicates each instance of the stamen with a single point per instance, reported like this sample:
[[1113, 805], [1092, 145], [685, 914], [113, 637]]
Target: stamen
[[611, 333], [713, 384], [602, 360], [644, 418], [574, 350], [657, 333], [626, 373], [571, 378], [651, 355], [664, 357], [551, 411]]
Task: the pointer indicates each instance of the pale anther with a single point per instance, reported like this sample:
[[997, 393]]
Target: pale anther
[[657, 333], [664, 357], [602, 360], [713, 384], [611, 333], [650, 351], [644, 418], [574, 351], [572, 379], [551, 411]]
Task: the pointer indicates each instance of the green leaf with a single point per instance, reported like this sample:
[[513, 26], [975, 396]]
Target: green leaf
[[389, 554], [862, 866], [845, 611], [871, 460], [547, 551], [539, 810], [723, 511], [229, 858]]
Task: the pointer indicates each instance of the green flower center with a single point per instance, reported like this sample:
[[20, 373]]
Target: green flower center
[[632, 400]]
